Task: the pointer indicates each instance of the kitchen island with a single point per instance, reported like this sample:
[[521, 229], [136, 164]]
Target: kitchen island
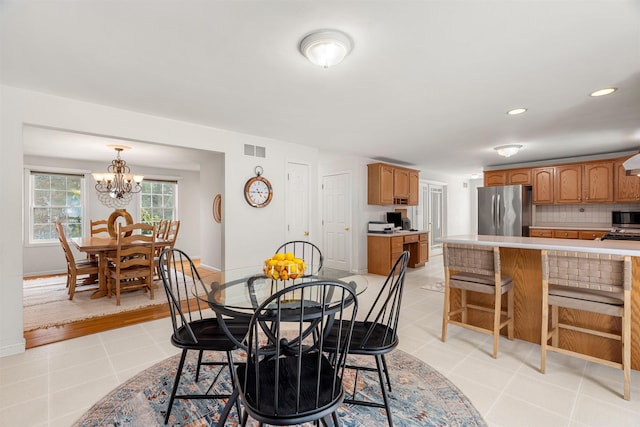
[[520, 259]]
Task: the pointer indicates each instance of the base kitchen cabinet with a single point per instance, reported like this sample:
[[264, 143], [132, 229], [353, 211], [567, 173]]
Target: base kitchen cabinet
[[384, 249]]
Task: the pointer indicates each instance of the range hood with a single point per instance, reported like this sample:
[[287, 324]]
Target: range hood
[[632, 165]]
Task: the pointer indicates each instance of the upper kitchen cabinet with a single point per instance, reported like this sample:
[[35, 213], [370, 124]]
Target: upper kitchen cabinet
[[492, 178], [519, 176], [627, 187], [542, 185], [584, 183], [598, 182], [392, 185], [568, 184], [507, 177]]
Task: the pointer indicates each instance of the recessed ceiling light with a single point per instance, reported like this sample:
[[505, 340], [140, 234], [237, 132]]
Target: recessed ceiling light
[[516, 111], [603, 92]]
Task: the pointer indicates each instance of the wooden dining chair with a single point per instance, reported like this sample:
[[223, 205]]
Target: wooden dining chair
[[132, 267], [99, 226], [169, 236], [74, 268]]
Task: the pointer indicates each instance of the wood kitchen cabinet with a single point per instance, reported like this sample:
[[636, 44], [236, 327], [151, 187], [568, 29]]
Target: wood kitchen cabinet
[[598, 182], [567, 233], [414, 188], [380, 182], [519, 177], [400, 185], [492, 178], [591, 234], [542, 179], [384, 250], [392, 185], [539, 232], [627, 188], [568, 184]]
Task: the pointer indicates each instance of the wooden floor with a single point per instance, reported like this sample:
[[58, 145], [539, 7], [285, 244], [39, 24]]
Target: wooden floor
[[38, 337]]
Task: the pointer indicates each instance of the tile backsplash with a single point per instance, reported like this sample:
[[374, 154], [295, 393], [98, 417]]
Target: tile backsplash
[[569, 214]]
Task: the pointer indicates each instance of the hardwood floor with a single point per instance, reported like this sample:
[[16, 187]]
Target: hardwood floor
[[42, 336], [38, 337]]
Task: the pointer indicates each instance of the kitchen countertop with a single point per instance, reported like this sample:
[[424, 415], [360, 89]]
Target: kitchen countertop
[[573, 226], [615, 247]]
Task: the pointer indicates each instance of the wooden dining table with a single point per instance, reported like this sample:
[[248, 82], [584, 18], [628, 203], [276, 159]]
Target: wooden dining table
[[103, 248]]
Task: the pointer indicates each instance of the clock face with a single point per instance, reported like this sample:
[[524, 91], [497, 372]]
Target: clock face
[[258, 192]]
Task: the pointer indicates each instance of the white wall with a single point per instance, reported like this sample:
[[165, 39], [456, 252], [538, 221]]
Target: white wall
[[49, 259], [249, 233]]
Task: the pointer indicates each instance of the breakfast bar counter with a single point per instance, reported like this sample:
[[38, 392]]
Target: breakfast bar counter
[[520, 259]]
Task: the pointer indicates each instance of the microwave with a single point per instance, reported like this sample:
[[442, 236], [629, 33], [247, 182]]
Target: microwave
[[625, 219]]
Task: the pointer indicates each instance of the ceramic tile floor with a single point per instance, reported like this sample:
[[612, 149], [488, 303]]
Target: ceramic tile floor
[[53, 385]]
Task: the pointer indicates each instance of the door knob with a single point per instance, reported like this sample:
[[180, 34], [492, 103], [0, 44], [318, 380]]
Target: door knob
[[346, 229], [306, 233]]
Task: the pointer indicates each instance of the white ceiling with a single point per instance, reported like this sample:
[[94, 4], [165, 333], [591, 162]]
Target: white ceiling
[[428, 82]]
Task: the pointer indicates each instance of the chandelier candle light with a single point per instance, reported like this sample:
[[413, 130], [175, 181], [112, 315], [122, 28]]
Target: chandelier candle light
[[116, 187]]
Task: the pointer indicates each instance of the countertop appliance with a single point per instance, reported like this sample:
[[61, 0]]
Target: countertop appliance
[[504, 210], [380, 227], [625, 226]]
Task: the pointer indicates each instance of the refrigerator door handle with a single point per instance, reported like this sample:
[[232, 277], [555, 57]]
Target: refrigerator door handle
[[498, 218], [493, 210]]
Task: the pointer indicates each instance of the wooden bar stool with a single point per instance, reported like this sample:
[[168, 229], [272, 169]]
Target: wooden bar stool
[[598, 283], [475, 268]]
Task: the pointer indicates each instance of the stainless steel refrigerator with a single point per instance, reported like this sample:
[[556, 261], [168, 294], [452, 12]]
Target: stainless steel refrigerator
[[504, 210]]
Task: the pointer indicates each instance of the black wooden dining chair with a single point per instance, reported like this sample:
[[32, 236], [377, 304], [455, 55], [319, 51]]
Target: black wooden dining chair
[[191, 330], [288, 377], [377, 334], [308, 252]]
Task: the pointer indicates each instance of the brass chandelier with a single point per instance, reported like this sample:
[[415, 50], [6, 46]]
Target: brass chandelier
[[116, 187]]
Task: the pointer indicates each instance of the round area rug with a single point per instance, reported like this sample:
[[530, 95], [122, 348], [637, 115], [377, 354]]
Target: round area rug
[[421, 397]]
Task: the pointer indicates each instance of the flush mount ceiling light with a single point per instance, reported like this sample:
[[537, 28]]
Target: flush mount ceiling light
[[516, 111], [603, 92], [508, 150], [326, 48]]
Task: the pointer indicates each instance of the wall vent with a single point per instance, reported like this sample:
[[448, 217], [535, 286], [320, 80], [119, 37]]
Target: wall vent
[[255, 150]]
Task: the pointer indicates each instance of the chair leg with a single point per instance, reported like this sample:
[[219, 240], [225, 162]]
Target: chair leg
[[497, 312], [555, 330], [544, 336], [510, 304], [175, 385], [199, 364], [336, 419], [245, 417], [72, 278], [626, 345], [445, 310], [233, 399], [464, 305], [384, 390], [233, 380], [386, 372]]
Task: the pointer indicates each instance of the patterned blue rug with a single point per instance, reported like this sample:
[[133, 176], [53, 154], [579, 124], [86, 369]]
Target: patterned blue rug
[[421, 397]]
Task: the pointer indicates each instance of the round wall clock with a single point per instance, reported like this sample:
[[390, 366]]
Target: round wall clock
[[258, 191]]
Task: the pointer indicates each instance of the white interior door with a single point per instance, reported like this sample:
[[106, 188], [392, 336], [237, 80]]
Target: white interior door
[[434, 215], [298, 212], [336, 220]]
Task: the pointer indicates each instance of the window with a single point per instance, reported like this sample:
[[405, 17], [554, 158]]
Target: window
[[158, 201], [55, 197]]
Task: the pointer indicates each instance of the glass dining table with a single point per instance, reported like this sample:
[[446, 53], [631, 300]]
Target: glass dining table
[[239, 292]]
